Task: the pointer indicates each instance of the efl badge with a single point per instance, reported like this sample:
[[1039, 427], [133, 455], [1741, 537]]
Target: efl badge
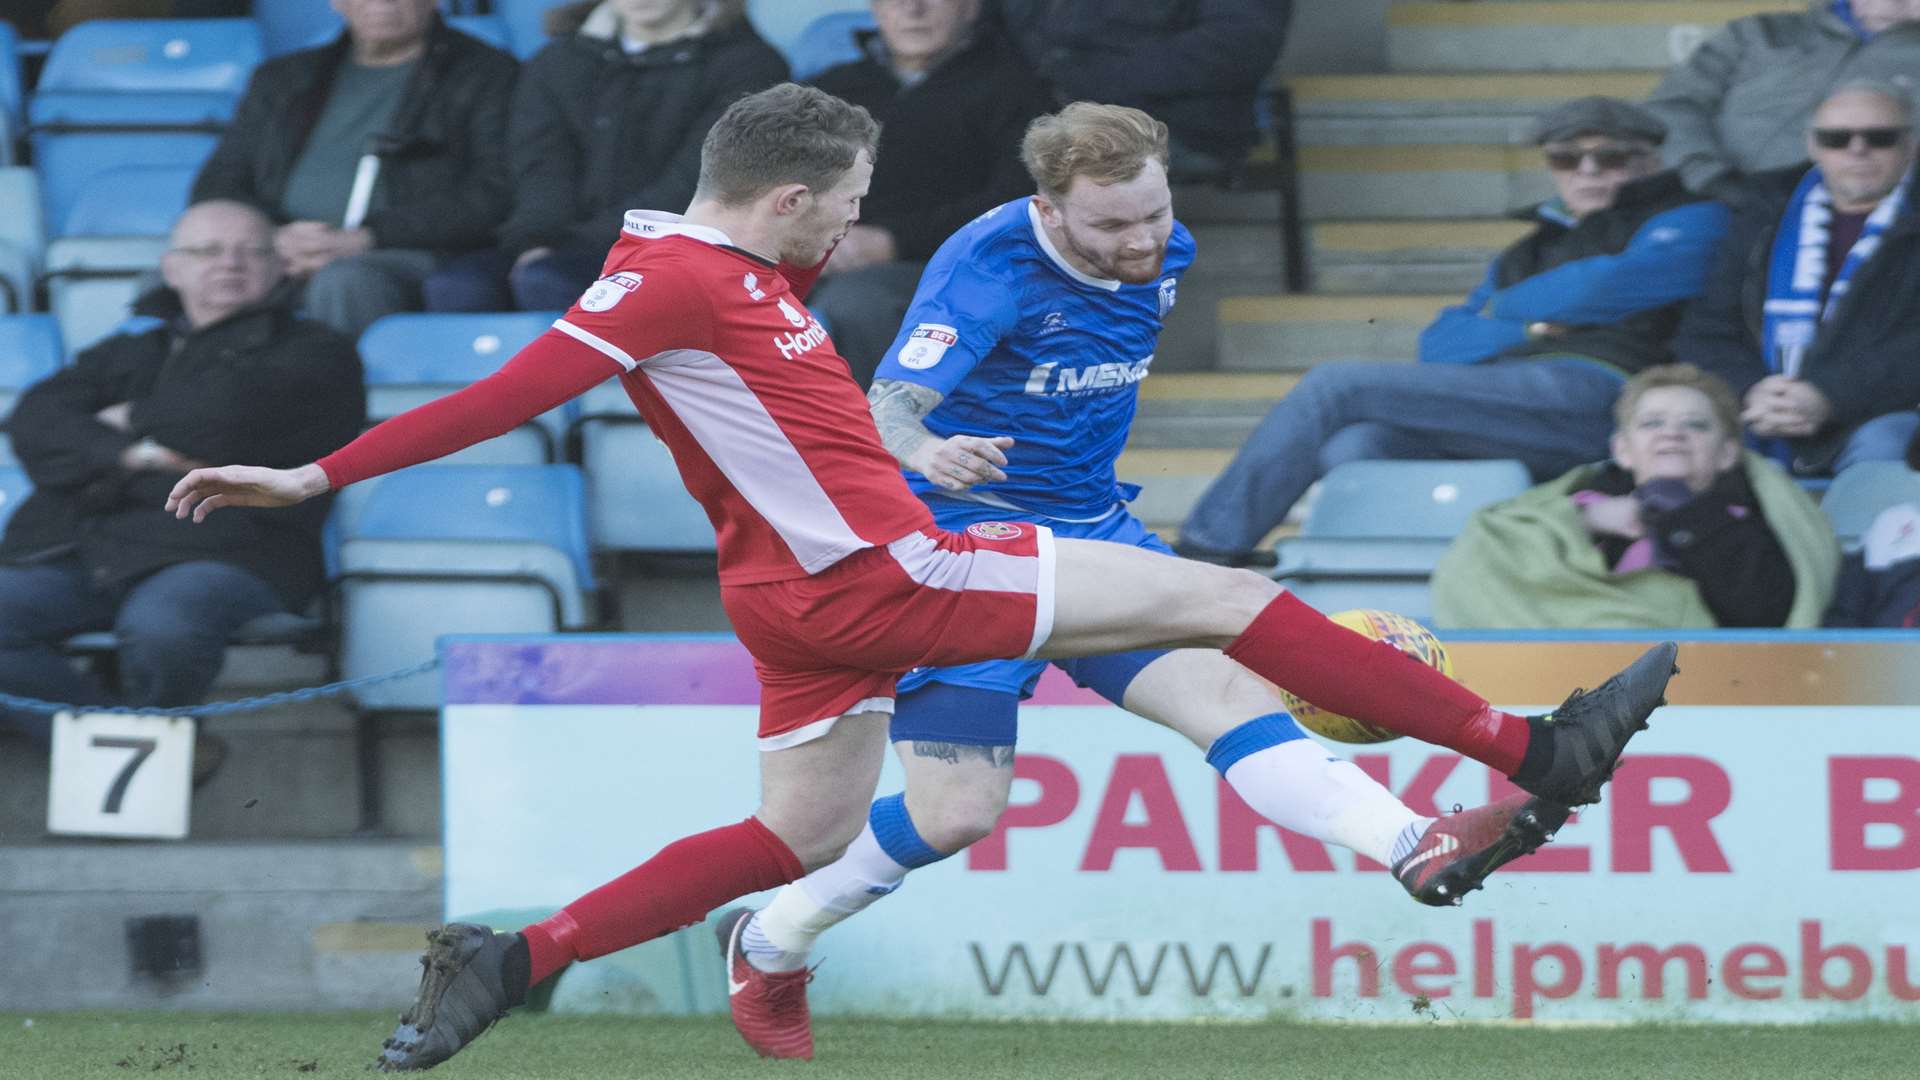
[[993, 530], [926, 345], [609, 291], [1167, 297]]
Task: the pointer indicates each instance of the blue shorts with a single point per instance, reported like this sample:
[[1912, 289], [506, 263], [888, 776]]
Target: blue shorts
[[1107, 676]]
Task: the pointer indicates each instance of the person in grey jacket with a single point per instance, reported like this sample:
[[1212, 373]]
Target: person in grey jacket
[[1740, 103]]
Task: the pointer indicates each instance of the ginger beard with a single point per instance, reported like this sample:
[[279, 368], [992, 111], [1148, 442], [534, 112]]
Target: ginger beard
[[1115, 231]]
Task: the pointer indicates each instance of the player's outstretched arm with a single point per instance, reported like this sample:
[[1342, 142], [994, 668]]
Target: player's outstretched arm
[[203, 491], [955, 463]]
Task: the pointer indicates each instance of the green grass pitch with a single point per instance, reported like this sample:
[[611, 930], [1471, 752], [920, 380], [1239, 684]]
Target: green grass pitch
[[73, 1046]]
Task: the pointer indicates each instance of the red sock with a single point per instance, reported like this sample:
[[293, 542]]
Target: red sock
[[1296, 647], [675, 888]]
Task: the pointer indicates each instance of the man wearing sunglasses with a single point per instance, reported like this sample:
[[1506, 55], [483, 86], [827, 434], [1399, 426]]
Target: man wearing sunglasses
[[1810, 313], [1528, 366]]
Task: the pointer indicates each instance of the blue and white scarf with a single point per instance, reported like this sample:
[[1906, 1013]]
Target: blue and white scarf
[[1794, 308]]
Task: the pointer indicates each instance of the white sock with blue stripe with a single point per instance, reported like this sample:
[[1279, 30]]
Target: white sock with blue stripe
[[1295, 783], [781, 935]]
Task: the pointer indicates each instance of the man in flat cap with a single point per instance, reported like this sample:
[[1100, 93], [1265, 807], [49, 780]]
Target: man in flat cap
[[1812, 311], [1528, 367]]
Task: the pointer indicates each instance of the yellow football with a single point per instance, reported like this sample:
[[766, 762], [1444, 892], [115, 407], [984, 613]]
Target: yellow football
[[1404, 634]]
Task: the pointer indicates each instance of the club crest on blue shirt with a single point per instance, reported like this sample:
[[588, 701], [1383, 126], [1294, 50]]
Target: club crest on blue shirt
[[926, 345], [1167, 297], [609, 291]]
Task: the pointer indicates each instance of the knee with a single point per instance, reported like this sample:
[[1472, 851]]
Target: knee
[[816, 835], [958, 819], [546, 285]]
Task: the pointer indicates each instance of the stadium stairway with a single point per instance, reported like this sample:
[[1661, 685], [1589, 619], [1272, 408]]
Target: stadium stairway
[[280, 925]]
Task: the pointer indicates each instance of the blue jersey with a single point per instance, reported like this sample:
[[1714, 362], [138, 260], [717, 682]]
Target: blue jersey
[[1022, 344]]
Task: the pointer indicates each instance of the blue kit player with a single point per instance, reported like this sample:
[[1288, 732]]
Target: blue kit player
[[1008, 396]]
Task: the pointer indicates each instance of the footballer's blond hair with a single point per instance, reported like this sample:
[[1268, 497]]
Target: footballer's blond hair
[[1107, 144]]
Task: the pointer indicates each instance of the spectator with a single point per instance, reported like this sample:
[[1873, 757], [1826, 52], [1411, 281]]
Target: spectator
[[1809, 313], [1739, 104], [1680, 529], [953, 99], [1196, 65], [1528, 366], [1880, 584], [227, 374], [381, 153], [607, 118]]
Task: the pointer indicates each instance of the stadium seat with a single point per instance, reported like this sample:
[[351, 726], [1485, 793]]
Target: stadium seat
[[635, 498], [467, 549], [524, 20], [828, 40], [1858, 495], [1378, 528], [29, 351], [93, 281], [154, 57], [102, 206], [13, 118], [412, 359], [134, 91], [23, 237]]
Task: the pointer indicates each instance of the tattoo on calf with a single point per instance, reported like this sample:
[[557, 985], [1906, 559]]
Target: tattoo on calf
[[1000, 757]]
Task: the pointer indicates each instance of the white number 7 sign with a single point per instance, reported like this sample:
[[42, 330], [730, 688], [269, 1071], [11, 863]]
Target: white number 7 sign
[[116, 775]]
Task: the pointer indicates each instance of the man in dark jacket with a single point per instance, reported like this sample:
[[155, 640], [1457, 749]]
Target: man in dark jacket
[[380, 154], [227, 374], [1195, 65], [607, 118], [953, 99], [1810, 312], [1529, 366]]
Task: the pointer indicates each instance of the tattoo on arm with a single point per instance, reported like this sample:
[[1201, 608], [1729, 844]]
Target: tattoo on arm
[[898, 408], [1000, 757]]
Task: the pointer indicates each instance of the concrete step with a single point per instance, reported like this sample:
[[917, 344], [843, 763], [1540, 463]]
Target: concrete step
[[1419, 182], [1403, 256], [1170, 481], [281, 925], [1594, 35], [1205, 410], [1423, 109], [1292, 333]]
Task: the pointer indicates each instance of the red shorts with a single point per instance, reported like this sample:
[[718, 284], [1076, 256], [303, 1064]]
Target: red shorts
[[833, 643]]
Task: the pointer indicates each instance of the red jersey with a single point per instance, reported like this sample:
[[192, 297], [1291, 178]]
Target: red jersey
[[770, 432]]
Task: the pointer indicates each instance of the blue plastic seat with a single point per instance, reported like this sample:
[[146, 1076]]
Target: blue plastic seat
[[636, 500], [30, 350], [427, 552], [525, 23], [412, 359], [134, 92], [23, 237], [1858, 495], [13, 116], [1378, 528], [828, 41], [131, 200], [154, 56]]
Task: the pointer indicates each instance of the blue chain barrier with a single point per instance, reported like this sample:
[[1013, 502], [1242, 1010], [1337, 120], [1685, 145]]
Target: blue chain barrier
[[222, 708]]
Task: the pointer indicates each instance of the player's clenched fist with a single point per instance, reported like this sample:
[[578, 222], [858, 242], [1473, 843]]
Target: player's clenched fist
[[203, 491], [958, 462]]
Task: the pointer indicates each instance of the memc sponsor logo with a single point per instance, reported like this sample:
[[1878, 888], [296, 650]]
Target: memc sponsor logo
[[1053, 379]]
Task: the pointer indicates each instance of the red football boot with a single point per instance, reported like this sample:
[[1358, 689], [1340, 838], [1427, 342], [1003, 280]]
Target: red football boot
[[1460, 850], [769, 1007]]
